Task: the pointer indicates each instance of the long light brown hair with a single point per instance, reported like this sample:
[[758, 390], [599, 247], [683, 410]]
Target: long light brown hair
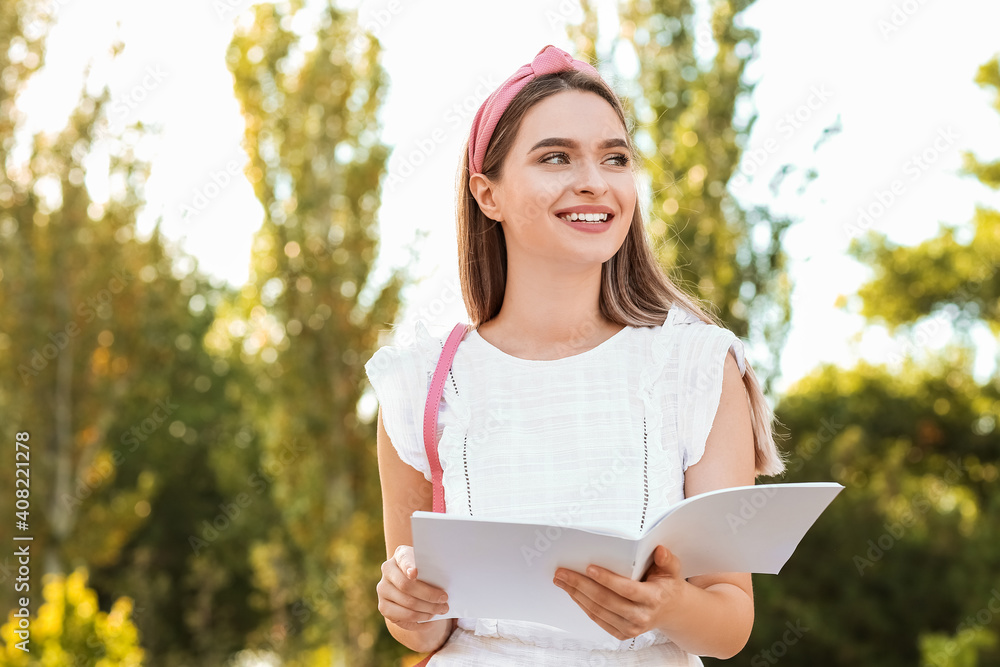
[[635, 289]]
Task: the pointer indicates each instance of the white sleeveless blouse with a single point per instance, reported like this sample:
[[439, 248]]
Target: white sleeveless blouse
[[599, 439]]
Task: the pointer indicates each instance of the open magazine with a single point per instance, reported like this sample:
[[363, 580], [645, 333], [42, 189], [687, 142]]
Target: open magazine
[[494, 568]]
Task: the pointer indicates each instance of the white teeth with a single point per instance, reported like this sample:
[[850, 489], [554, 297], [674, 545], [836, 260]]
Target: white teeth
[[585, 217]]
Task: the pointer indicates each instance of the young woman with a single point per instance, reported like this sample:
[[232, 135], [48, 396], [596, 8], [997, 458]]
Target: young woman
[[591, 390]]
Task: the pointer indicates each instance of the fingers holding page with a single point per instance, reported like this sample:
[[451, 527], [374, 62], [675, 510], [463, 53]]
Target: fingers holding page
[[405, 599]]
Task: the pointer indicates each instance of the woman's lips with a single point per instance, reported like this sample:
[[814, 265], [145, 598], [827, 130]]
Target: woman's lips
[[589, 226]]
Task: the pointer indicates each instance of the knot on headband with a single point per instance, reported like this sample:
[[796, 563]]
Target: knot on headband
[[549, 60]]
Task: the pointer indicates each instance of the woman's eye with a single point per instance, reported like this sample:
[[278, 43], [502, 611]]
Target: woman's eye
[[552, 156], [622, 159]]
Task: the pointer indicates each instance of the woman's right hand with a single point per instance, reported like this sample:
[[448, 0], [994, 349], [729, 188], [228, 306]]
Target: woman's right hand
[[404, 599]]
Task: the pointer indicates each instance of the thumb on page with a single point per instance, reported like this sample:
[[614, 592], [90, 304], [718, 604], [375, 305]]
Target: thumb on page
[[666, 560], [404, 558], [409, 566]]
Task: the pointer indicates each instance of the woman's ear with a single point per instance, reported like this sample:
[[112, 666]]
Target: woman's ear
[[483, 190]]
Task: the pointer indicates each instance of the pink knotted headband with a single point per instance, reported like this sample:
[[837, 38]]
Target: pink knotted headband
[[550, 59]]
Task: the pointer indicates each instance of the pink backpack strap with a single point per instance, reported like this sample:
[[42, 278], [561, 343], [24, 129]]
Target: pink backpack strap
[[431, 410]]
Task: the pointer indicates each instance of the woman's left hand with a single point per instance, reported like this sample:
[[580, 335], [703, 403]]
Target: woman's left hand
[[623, 607]]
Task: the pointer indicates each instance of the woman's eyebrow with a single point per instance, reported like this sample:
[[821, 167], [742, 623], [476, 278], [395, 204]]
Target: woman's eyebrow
[[617, 142]]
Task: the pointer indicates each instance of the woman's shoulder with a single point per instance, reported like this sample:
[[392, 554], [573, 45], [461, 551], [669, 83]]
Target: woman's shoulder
[[413, 345], [685, 335], [679, 322]]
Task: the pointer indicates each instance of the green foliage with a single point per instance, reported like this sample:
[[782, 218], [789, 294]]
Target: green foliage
[[988, 173], [917, 520], [199, 448], [312, 319], [731, 258], [100, 341], [70, 630], [901, 569], [941, 277], [960, 650]]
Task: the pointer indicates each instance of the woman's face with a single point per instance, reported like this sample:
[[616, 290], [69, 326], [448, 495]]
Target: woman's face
[[570, 155]]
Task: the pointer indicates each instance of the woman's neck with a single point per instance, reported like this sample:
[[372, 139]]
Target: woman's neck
[[549, 313]]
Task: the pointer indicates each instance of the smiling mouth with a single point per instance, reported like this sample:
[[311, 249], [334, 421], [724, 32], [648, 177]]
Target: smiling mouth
[[592, 218]]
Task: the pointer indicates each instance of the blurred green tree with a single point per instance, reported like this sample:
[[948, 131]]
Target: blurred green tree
[[901, 570], [941, 280], [689, 85], [312, 317], [100, 346]]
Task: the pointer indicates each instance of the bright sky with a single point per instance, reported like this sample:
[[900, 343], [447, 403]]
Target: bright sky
[[897, 76]]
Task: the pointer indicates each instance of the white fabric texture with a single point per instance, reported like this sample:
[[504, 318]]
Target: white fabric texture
[[600, 439]]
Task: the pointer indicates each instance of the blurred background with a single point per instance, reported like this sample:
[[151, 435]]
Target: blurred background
[[213, 212]]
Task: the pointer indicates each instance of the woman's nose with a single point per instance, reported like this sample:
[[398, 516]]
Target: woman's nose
[[588, 178]]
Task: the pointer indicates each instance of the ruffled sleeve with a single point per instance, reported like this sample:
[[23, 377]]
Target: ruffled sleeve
[[401, 376], [398, 376], [702, 350]]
